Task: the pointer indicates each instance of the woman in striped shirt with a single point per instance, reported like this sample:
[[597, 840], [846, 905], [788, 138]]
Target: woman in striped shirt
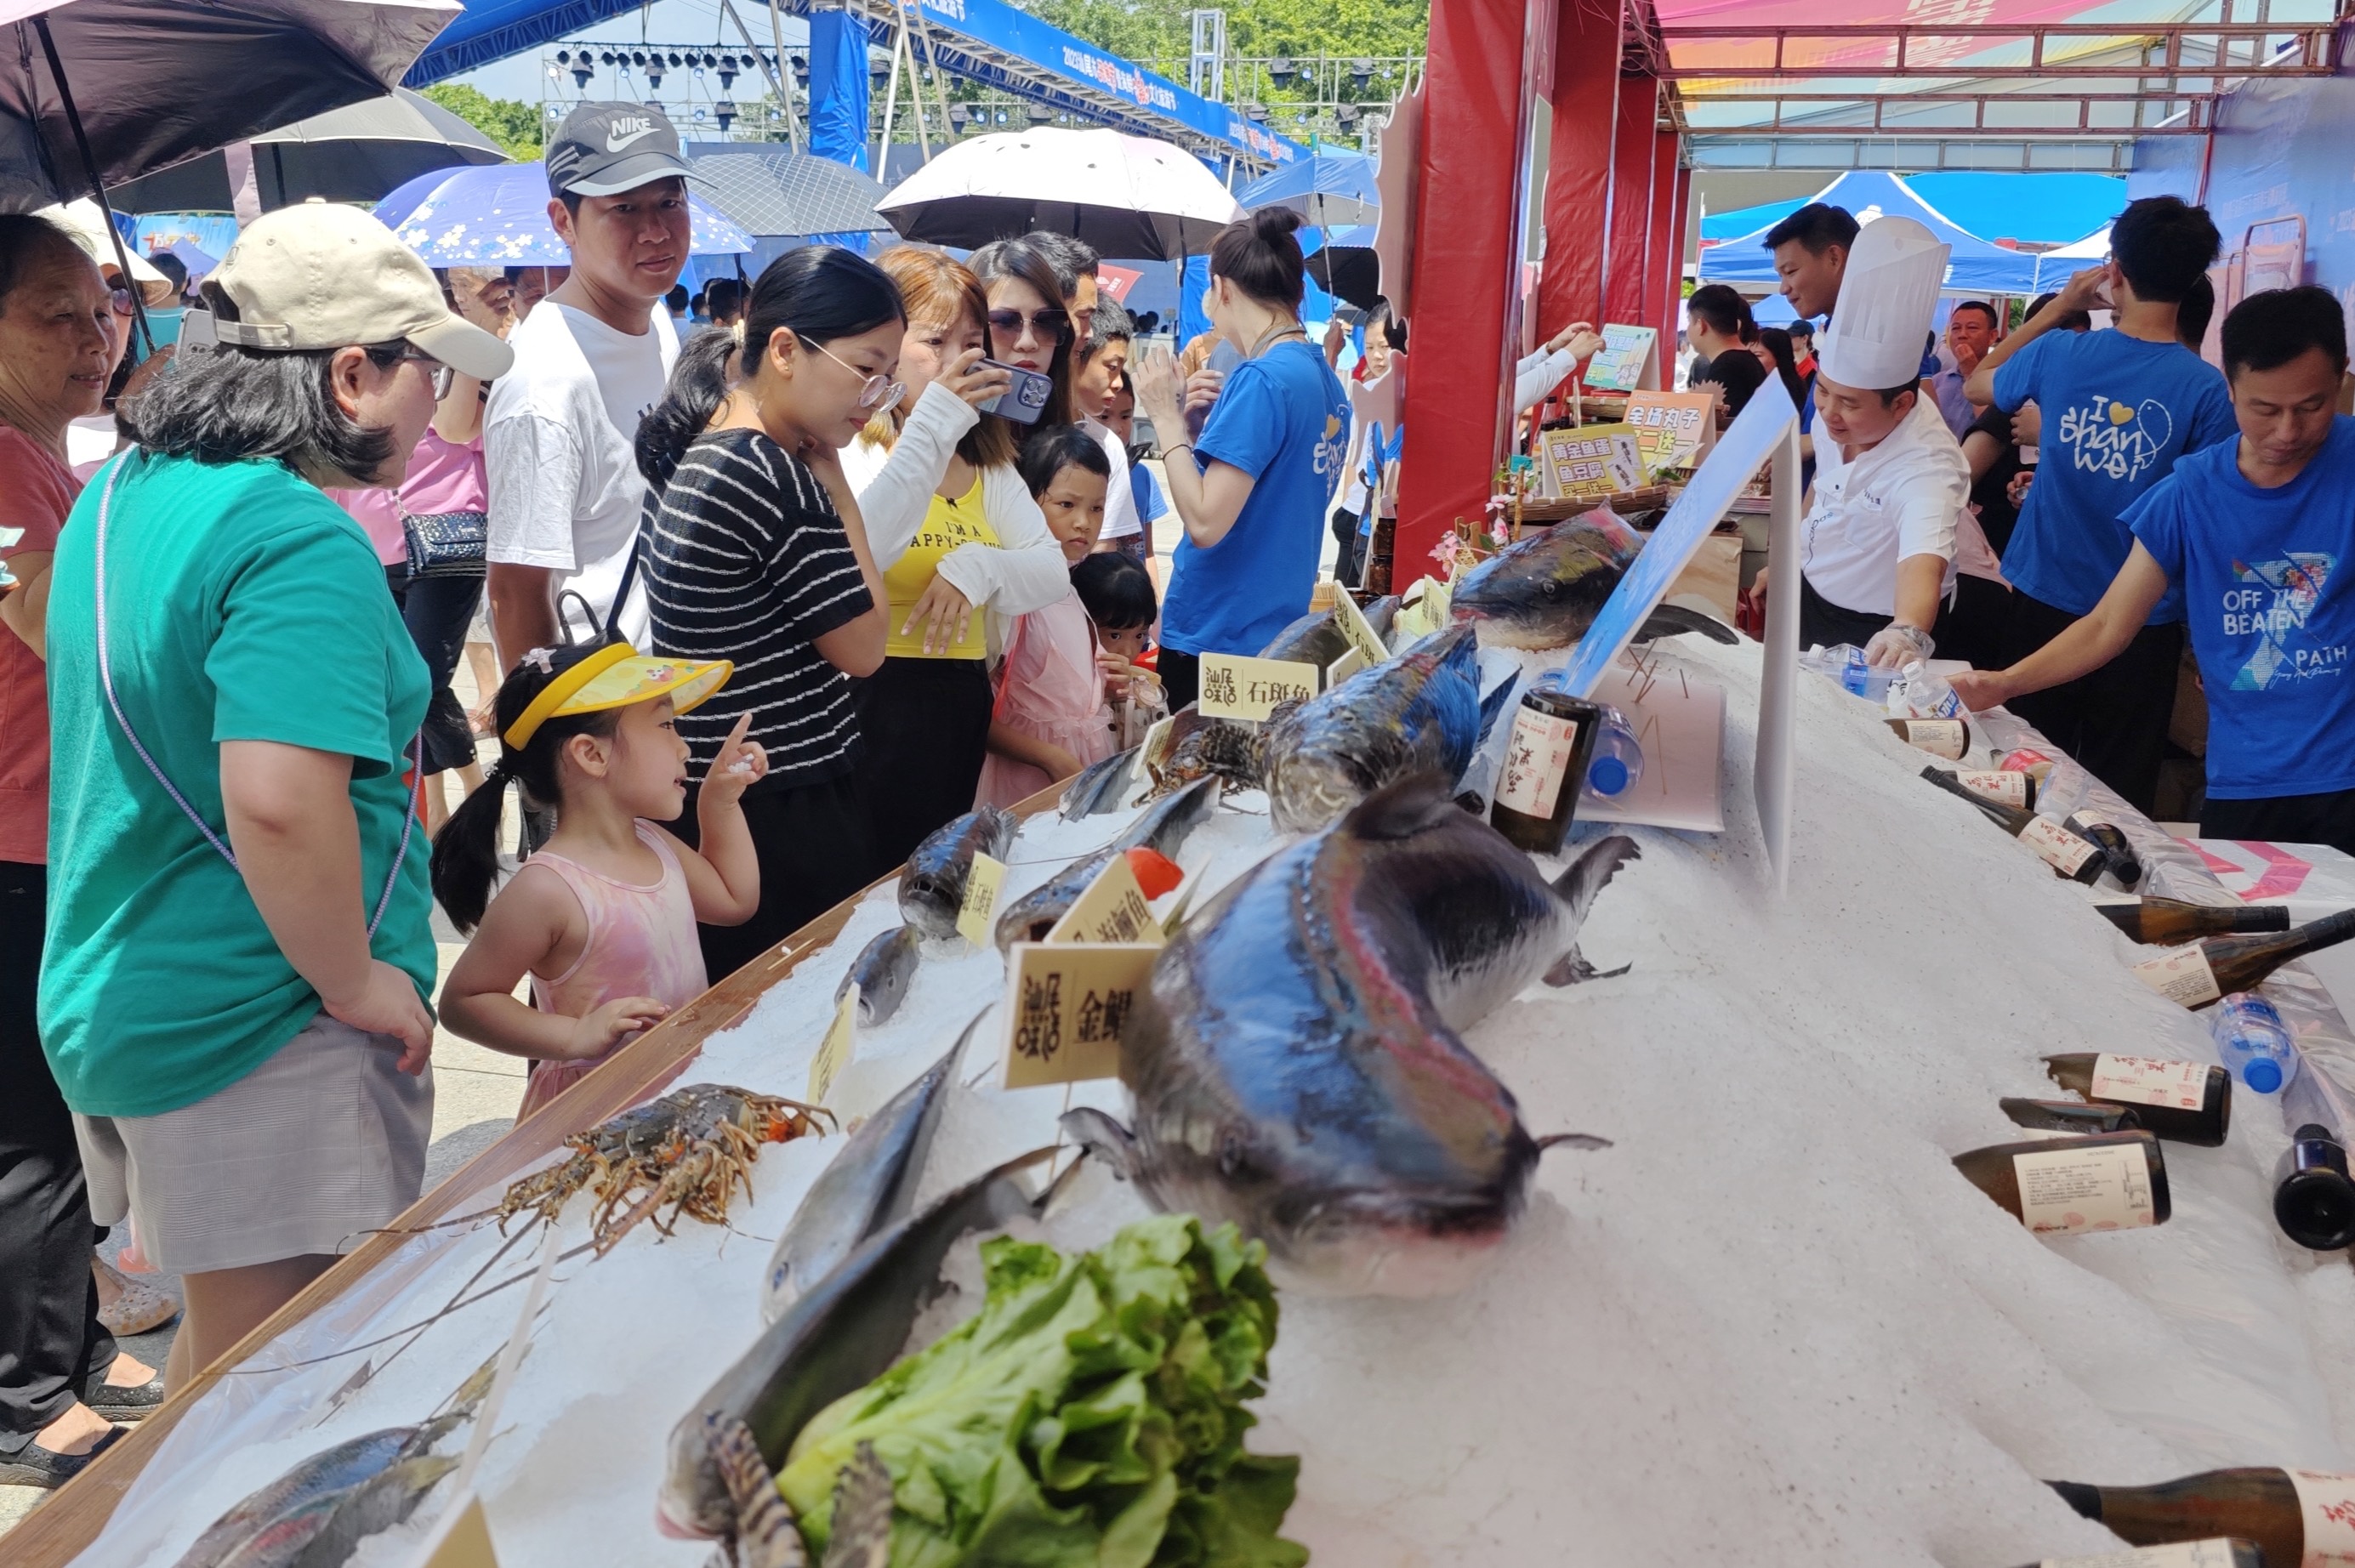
[[755, 553], [959, 540]]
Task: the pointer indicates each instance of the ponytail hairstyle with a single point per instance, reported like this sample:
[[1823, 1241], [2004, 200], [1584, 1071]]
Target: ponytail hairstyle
[[1259, 255], [1726, 313], [466, 850], [818, 293], [1022, 258]]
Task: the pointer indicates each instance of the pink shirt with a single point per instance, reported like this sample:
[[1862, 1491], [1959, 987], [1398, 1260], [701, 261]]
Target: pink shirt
[[642, 942], [443, 477], [1051, 690], [36, 491]]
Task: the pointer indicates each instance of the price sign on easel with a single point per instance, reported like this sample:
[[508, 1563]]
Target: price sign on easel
[[1112, 909], [1067, 1007], [1236, 686], [979, 910]]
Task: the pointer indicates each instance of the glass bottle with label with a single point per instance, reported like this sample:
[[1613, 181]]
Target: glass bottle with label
[[1545, 758], [2208, 968], [2068, 1115], [2292, 1516], [2100, 830], [1947, 738], [2068, 855], [2065, 1185], [2189, 1102], [2172, 921], [2313, 1200]]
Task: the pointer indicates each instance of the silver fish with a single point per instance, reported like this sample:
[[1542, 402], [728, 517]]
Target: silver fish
[[1100, 786], [867, 1186], [882, 972], [1296, 1063], [330, 1471], [839, 1336], [1316, 638], [1545, 591], [1163, 829], [1419, 712], [325, 1531], [932, 889]]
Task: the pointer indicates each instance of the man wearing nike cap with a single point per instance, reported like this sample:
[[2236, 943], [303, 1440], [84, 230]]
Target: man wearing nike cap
[[244, 1040], [559, 431]]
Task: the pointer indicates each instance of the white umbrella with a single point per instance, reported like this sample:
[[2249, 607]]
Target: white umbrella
[[2074, 258], [1129, 196]]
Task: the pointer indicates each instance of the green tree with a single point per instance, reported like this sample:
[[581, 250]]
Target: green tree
[[514, 126]]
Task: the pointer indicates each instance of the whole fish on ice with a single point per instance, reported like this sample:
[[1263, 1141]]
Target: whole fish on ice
[[1295, 1064], [883, 971], [1545, 591], [1419, 712], [1164, 829], [932, 889]]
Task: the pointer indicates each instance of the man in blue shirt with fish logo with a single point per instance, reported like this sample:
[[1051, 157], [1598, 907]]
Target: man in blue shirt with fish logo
[[2121, 407], [2249, 537]]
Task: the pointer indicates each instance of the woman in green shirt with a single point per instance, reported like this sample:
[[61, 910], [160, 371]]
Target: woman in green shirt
[[237, 956]]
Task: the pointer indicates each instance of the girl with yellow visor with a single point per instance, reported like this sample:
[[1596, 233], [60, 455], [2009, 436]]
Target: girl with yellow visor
[[602, 916]]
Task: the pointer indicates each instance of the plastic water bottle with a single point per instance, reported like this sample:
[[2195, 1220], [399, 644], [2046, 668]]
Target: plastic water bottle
[[2254, 1042], [1618, 760], [1929, 694]]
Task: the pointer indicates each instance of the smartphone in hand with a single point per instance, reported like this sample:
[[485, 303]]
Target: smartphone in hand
[[1025, 400]]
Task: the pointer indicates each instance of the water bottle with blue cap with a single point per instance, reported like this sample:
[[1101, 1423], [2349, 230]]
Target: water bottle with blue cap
[[1618, 760], [2254, 1042]]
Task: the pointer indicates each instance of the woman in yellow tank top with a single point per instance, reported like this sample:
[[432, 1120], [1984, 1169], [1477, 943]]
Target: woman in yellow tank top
[[958, 538]]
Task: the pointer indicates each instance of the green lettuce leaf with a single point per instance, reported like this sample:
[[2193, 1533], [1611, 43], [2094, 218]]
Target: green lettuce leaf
[[1090, 1415]]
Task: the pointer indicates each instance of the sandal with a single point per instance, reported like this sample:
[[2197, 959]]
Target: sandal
[[138, 1308], [33, 1466], [117, 1402]]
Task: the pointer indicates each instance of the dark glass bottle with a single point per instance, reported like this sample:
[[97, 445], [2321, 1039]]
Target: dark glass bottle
[[2188, 1102], [2005, 786], [2216, 1552], [2069, 1115], [2109, 1181], [2313, 1200], [2173, 922], [1545, 765], [2284, 1516], [2068, 855], [2124, 864], [2216, 966], [1947, 738]]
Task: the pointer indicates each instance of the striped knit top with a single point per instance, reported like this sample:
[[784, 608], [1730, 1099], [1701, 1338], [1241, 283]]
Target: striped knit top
[[747, 560]]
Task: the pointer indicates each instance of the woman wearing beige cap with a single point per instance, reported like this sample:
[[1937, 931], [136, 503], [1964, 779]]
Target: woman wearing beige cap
[[232, 996]]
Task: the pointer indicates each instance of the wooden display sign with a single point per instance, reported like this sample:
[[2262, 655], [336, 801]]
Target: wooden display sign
[[1592, 461], [835, 1051], [1237, 686], [1067, 1007], [1628, 361], [1673, 430], [1112, 909], [978, 914], [1359, 630]]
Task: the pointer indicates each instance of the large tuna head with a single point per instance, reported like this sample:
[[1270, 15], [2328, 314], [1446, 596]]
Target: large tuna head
[[1545, 591]]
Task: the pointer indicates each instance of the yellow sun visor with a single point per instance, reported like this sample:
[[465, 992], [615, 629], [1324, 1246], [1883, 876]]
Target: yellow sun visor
[[615, 677]]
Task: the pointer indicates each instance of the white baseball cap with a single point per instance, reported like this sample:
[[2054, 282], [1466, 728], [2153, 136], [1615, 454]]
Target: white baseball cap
[[319, 275], [86, 227]]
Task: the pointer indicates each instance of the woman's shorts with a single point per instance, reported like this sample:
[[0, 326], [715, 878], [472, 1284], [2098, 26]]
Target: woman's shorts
[[321, 1144]]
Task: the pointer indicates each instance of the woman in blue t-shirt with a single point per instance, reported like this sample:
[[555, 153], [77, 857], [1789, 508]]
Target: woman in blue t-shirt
[[1264, 470]]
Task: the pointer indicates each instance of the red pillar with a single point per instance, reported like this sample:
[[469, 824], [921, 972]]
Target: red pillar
[[1664, 269], [1578, 163], [1626, 272], [1468, 242]]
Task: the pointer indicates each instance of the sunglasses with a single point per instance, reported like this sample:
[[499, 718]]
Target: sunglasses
[[1046, 323], [443, 376], [120, 300], [876, 393]]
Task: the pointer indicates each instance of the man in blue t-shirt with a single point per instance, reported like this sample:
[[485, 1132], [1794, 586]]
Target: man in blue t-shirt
[[2250, 536], [2120, 408]]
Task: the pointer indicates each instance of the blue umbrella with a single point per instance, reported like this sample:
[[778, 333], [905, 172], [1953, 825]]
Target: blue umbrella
[[497, 217], [197, 261], [1329, 189]]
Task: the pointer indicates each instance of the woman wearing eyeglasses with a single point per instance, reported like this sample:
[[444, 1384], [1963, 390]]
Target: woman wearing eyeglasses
[[755, 553], [959, 540]]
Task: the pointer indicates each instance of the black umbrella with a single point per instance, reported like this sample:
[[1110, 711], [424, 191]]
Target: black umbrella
[[1348, 272], [362, 152]]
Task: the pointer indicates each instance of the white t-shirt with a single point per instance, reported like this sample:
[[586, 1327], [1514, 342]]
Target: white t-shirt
[[1120, 502], [1374, 401], [556, 447], [1906, 496]]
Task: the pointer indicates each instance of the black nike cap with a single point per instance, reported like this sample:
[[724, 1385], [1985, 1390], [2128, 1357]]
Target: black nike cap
[[604, 149]]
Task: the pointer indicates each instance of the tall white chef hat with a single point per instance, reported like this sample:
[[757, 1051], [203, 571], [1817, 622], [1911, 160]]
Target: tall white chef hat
[[1888, 294]]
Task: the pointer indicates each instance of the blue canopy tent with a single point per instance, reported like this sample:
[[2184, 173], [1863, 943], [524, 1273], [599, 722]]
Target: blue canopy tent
[[1331, 189], [2034, 208], [1976, 267]]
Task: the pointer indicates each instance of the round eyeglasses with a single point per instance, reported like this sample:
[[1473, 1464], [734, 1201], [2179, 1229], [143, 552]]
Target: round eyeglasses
[[878, 394], [443, 376]]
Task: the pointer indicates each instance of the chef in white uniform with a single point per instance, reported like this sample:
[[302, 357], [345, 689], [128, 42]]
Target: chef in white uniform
[[1876, 549]]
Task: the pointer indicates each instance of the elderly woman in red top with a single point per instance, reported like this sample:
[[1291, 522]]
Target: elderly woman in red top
[[62, 331]]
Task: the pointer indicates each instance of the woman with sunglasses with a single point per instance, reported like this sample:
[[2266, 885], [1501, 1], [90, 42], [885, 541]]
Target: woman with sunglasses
[[754, 553], [962, 546]]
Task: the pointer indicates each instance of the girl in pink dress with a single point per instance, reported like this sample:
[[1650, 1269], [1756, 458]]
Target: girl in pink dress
[[1050, 719], [602, 917]]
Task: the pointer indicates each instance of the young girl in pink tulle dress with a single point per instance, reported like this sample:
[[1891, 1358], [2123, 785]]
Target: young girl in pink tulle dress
[[1051, 718]]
